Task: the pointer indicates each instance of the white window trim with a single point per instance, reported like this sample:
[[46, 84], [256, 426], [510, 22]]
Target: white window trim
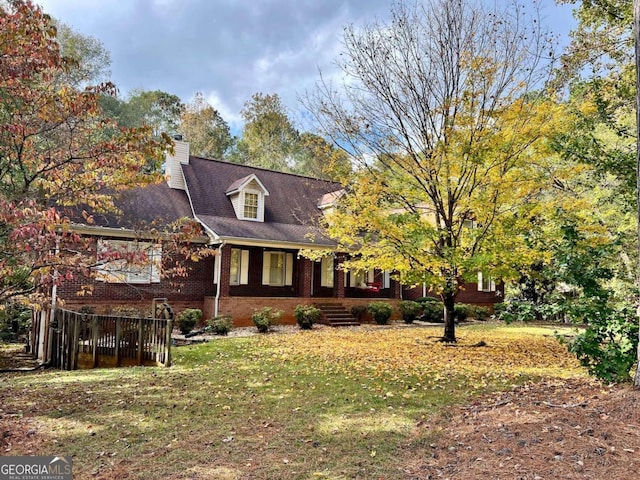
[[287, 274], [120, 271], [327, 272], [260, 212], [242, 278], [491, 284]]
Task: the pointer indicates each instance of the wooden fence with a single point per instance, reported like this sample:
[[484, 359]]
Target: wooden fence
[[78, 341]]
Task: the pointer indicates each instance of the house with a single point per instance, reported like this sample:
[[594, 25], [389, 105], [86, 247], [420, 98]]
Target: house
[[257, 221]]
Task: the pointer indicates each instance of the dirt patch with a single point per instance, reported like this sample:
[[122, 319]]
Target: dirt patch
[[573, 429]]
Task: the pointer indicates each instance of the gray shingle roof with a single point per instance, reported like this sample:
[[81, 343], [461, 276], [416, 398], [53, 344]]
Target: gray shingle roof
[[291, 210], [156, 205]]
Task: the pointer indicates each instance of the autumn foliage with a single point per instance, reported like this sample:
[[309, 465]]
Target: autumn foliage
[[56, 148]]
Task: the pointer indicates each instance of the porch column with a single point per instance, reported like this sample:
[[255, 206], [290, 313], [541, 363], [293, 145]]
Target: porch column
[[225, 271], [339, 276], [306, 274], [396, 289]]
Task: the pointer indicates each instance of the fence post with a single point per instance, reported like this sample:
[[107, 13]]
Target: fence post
[[73, 348], [140, 341], [118, 338], [167, 344], [94, 340]]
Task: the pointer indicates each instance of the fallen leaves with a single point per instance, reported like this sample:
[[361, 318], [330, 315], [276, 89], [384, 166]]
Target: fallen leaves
[[393, 354]]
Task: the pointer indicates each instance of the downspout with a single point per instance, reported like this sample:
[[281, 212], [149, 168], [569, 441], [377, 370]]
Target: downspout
[[216, 308]]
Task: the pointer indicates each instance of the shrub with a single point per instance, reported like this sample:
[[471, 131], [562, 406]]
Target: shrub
[[608, 346], [433, 311], [423, 300], [221, 325], [306, 316], [409, 310], [265, 318], [478, 312], [380, 311], [516, 311], [188, 318], [461, 311], [358, 312]]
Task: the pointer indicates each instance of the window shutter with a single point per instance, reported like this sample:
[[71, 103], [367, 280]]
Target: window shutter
[[386, 279], [266, 267], [288, 269], [371, 275], [479, 281], [244, 267], [492, 285], [156, 262]]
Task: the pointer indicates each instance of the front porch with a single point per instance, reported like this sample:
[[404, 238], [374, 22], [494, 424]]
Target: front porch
[[259, 276], [241, 308]]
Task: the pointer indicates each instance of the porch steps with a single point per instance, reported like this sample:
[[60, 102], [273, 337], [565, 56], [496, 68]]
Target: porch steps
[[336, 315]]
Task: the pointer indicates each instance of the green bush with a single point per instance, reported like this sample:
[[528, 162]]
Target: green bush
[[188, 318], [423, 300], [461, 311], [380, 311], [516, 311], [433, 311], [15, 319], [409, 310], [306, 316], [265, 318], [478, 312], [358, 312], [221, 325], [609, 344]]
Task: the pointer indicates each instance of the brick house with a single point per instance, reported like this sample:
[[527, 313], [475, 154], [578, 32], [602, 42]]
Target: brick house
[[257, 220]]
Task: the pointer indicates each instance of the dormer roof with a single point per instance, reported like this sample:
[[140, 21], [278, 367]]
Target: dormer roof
[[291, 213], [329, 200], [243, 182]]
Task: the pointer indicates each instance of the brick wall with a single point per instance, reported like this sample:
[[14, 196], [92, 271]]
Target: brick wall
[[470, 295], [241, 308], [181, 292]]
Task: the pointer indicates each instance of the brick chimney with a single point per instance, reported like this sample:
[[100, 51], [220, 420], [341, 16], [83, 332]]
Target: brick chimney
[[173, 168]]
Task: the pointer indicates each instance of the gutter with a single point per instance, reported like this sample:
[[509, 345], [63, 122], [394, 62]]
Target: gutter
[[216, 307]]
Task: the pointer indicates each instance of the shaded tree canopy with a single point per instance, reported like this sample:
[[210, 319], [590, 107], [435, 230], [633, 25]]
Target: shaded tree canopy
[[55, 146], [204, 128]]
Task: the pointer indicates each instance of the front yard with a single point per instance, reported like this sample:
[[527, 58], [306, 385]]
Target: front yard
[[329, 403]]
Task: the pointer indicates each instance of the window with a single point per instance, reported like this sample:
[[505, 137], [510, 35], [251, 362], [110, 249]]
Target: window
[[251, 205], [486, 283], [277, 269], [359, 278], [326, 272], [239, 270], [128, 262]]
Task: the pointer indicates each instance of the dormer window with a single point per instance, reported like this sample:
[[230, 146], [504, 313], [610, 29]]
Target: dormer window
[[247, 196], [251, 205]]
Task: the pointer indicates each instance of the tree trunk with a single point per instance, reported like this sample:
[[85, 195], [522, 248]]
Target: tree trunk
[[449, 300], [636, 32]]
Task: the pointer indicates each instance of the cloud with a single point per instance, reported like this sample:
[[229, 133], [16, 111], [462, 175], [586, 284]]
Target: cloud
[[226, 49]]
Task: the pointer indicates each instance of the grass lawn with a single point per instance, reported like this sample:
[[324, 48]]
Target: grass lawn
[[326, 403]]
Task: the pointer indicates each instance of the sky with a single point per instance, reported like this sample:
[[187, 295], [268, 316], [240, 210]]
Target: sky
[[230, 49]]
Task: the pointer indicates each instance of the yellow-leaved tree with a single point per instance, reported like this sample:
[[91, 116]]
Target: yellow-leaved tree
[[447, 113]]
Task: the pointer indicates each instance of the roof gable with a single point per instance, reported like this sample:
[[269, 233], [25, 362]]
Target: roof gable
[[250, 181], [290, 212]]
